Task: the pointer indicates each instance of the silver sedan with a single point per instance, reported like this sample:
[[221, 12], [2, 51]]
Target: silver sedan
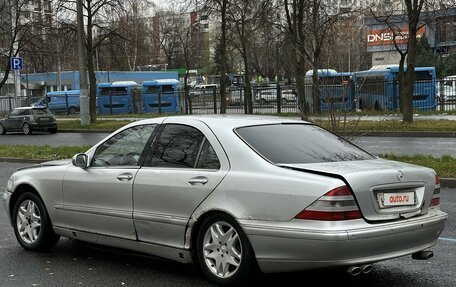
[[231, 193]]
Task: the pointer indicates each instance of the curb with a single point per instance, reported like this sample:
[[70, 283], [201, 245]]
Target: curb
[[448, 182], [444, 182], [86, 131], [427, 134]]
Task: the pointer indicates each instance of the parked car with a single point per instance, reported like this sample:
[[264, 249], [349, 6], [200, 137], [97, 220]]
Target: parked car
[[270, 96], [231, 193], [29, 119], [203, 90]]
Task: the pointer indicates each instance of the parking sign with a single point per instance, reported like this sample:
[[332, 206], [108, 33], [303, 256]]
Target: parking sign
[[16, 64]]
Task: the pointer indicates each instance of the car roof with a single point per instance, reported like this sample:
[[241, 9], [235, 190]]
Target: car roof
[[228, 122], [30, 108]]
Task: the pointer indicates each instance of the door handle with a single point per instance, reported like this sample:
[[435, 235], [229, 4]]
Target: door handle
[[198, 180], [125, 176]]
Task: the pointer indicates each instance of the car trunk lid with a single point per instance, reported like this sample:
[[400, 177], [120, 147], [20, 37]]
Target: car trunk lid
[[383, 189]]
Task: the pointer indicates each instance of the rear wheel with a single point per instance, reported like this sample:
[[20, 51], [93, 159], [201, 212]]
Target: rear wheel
[[224, 252], [53, 131], [2, 130], [72, 110], [377, 106], [263, 101], [284, 102], [27, 129], [32, 225]]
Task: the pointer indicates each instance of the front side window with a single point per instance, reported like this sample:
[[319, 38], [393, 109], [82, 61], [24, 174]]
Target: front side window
[[124, 148], [299, 143], [181, 146], [15, 113]]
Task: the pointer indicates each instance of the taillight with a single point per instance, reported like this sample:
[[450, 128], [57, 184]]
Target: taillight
[[337, 204], [436, 196]]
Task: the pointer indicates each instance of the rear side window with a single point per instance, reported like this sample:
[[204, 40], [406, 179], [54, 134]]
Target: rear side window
[[181, 146], [300, 143]]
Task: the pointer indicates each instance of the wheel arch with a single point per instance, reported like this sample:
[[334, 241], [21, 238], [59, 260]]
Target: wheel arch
[[196, 226], [21, 189]]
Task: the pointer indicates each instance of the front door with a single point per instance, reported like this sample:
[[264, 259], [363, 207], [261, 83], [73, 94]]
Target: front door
[[98, 199]]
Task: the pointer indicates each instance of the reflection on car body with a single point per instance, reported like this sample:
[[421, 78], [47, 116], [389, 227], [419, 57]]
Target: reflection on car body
[[234, 191]]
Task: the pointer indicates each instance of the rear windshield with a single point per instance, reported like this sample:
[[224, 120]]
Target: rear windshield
[[300, 143], [40, 111]]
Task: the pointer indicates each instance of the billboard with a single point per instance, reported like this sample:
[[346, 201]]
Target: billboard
[[385, 37]]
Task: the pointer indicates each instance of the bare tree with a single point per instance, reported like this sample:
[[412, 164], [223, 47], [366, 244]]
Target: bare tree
[[15, 34], [245, 18], [97, 16], [414, 21], [295, 13]]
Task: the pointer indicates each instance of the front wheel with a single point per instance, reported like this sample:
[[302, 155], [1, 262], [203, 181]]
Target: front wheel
[[27, 129], [2, 130], [224, 252], [32, 225]]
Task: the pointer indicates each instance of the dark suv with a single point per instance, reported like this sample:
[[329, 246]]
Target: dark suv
[[29, 119]]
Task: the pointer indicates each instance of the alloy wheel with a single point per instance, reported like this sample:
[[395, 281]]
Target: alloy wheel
[[222, 249], [28, 221], [26, 129]]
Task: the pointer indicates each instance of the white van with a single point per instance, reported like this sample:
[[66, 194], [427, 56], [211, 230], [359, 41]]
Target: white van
[[446, 93]]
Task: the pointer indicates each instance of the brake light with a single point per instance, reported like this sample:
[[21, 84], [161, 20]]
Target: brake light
[[436, 196], [337, 204]]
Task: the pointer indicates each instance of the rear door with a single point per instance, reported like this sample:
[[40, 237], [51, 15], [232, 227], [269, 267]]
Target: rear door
[[185, 164]]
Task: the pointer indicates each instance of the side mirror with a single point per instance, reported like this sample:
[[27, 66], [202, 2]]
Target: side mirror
[[80, 160]]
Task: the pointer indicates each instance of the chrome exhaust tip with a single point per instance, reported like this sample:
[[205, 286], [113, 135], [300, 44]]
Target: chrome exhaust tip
[[354, 270], [423, 255], [366, 268]]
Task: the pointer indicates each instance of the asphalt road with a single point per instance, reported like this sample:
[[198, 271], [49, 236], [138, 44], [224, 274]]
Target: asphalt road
[[74, 264], [376, 145]]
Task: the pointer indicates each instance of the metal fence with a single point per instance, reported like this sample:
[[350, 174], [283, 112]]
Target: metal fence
[[437, 95]]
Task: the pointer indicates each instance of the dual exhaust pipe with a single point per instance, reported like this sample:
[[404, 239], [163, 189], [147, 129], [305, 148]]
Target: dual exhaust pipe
[[367, 268], [357, 270]]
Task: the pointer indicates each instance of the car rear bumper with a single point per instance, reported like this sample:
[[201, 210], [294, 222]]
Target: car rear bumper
[[294, 246], [44, 126]]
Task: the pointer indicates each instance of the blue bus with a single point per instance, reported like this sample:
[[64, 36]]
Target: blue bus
[[160, 96], [118, 97], [61, 101], [337, 89], [378, 88]]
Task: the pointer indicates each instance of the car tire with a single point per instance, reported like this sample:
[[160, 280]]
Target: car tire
[[224, 252], [2, 130], [263, 102], [72, 110], [284, 102], [53, 131], [27, 129], [31, 223]]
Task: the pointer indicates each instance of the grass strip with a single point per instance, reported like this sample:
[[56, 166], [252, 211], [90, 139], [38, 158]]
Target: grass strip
[[106, 125], [40, 152], [445, 166]]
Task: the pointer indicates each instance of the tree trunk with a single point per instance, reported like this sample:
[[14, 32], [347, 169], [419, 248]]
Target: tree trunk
[[316, 90], [91, 70], [401, 81], [300, 82], [223, 58], [407, 115], [248, 103]]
